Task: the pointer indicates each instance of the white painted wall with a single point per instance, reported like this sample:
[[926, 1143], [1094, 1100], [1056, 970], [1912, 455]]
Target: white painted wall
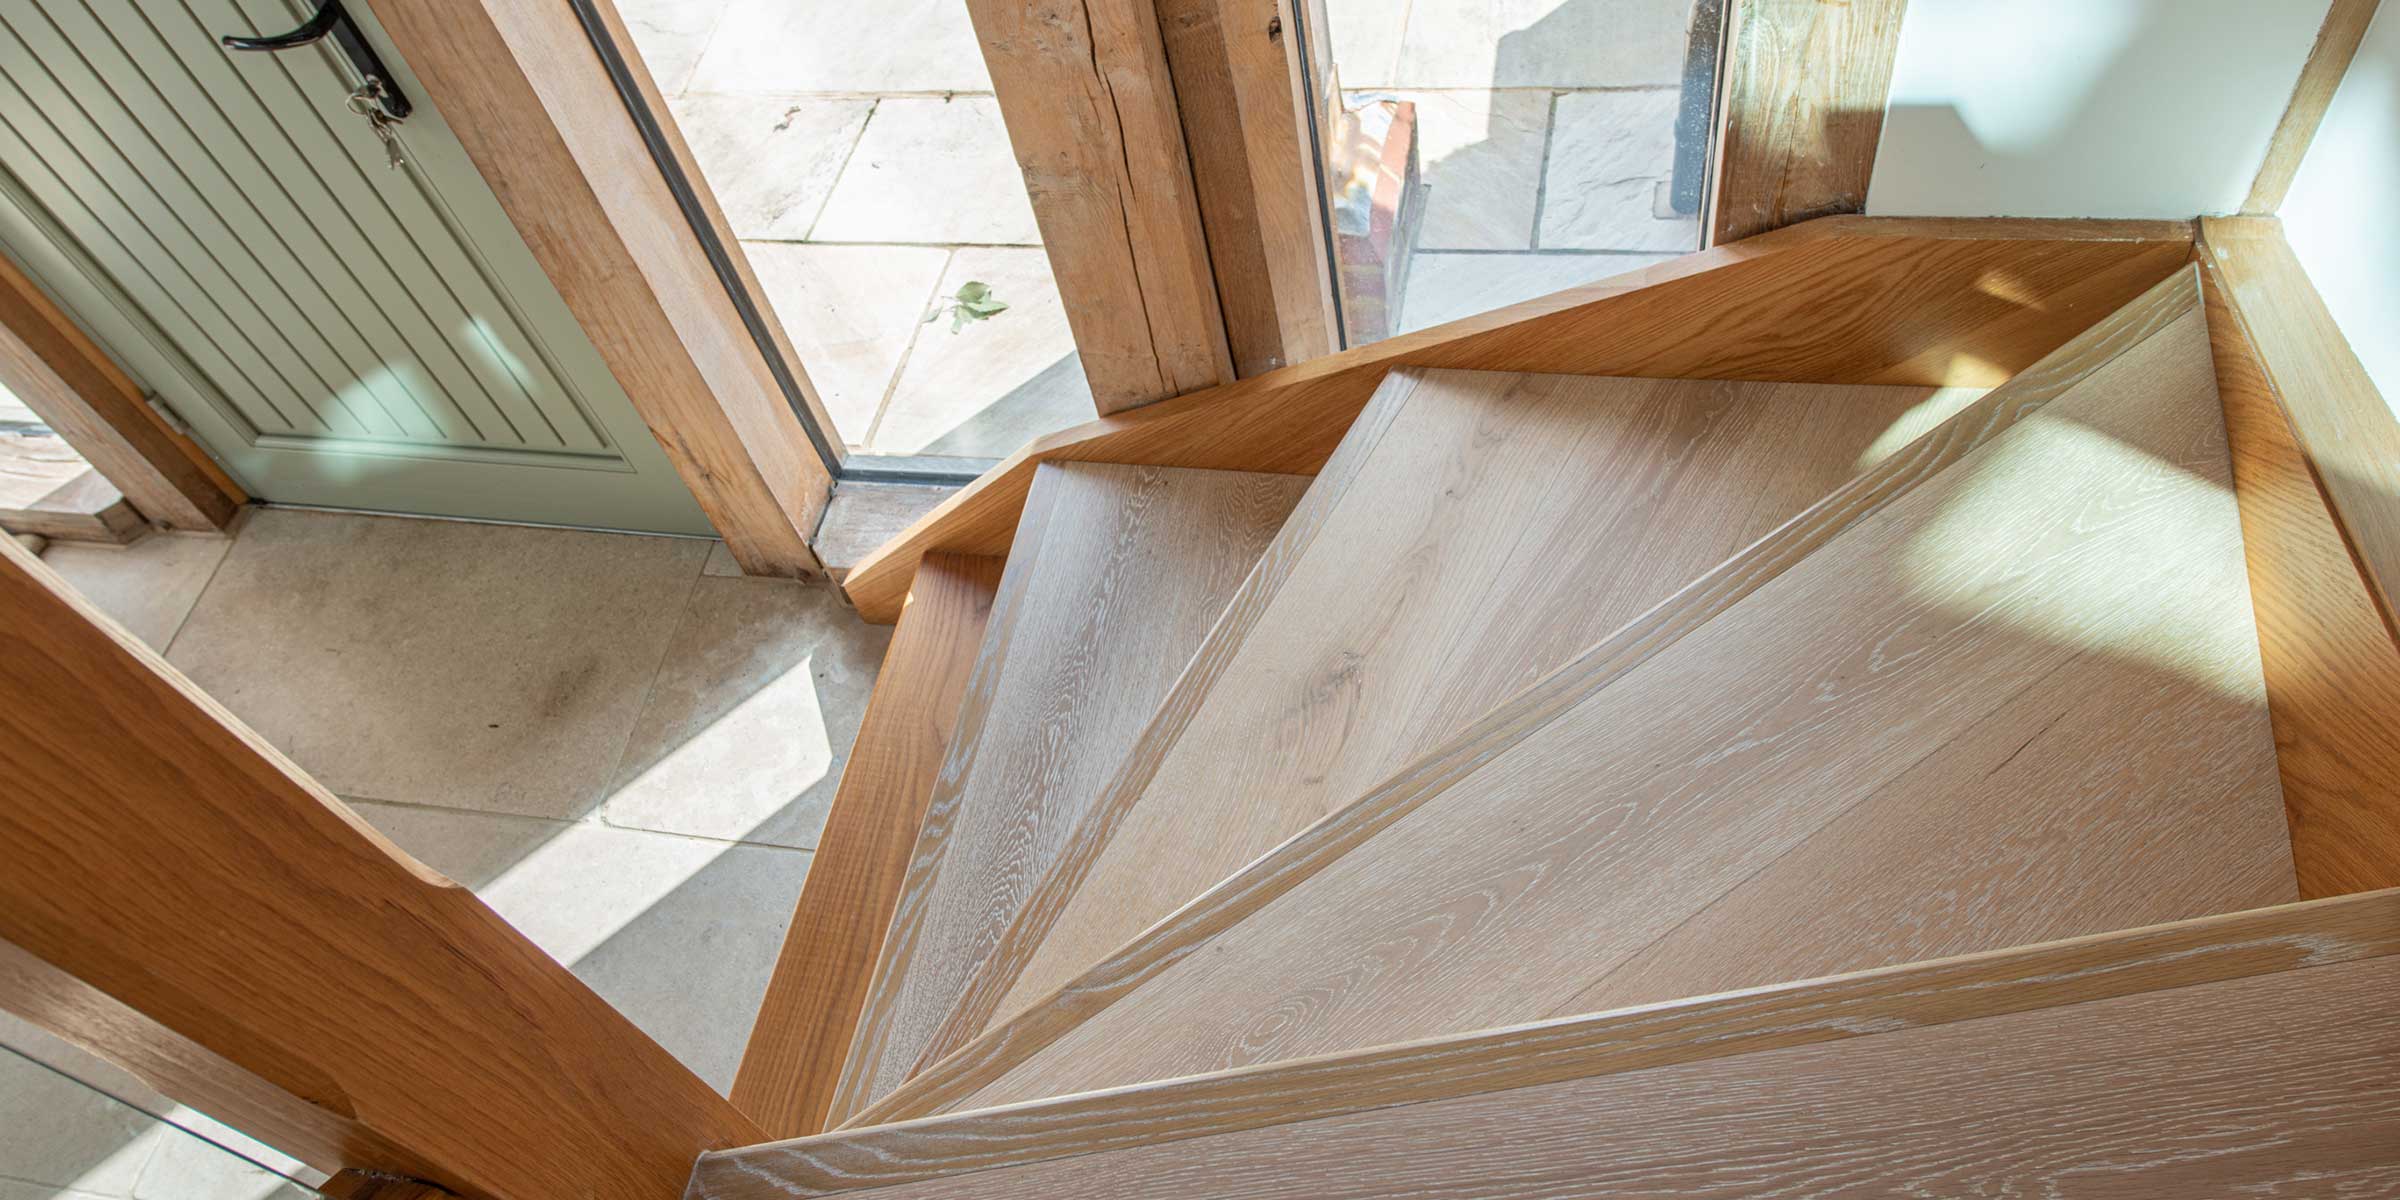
[[2086, 108], [2343, 214]]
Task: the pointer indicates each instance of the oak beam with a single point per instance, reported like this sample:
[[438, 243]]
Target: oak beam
[[793, 1064], [176, 893], [50, 365], [1084, 88], [2328, 60], [1806, 85], [1238, 88], [526, 91]]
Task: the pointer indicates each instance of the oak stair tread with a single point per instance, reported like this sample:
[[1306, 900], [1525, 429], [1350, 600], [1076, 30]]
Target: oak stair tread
[[1474, 531], [2020, 701], [1115, 576]]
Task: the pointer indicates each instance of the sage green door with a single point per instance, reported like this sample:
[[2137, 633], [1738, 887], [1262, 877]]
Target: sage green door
[[336, 332]]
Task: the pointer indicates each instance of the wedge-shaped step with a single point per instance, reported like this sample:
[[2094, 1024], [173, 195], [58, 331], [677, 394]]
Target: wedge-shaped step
[[2195, 1058], [1116, 574], [2016, 700], [1474, 531]]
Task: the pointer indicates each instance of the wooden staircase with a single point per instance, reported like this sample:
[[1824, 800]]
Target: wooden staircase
[[1588, 784]]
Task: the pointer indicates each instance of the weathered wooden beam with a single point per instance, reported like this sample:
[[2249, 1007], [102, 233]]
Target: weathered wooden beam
[[1238, 90], [1090, 106], [1806, 82], [2328, 60]]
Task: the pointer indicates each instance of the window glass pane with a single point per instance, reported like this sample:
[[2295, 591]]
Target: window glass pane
[[1491, 151], [859, 156]]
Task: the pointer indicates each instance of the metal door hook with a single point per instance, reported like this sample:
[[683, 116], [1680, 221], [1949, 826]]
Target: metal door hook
[[330, 19]]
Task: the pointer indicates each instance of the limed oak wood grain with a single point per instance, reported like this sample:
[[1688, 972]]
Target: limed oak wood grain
[[159, 855], [2071, 548], [2274, 1085], [1501, 525], [2339, 421], [801, 1037], [1915, 301], [1118, 576], [1276, 873], [2332, 668], [1863, 1004]]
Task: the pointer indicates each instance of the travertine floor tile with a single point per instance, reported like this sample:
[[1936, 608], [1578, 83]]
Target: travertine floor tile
[[1610, 155], [850, 311], [670, 36], [931, 171], [995, 384], [752, 715], [149, 586], [677, 933], [843, 46], [440, 662], [1480, 154], [770, 160], [1540, 43]]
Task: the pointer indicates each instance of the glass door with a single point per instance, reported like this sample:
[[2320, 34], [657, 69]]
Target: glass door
[[859, 158], [1483, 153]]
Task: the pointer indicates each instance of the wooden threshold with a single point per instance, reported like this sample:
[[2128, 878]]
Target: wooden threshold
[[1929, 302], [801, 1039]]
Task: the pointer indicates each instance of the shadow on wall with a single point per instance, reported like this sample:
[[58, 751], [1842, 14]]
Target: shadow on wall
[[2077, 108]]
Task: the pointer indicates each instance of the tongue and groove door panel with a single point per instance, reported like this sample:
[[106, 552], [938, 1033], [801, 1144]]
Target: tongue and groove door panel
[[335, 331]]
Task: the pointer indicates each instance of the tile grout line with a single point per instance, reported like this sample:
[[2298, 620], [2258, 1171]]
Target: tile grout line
[[608, 782], [186, 619], [354, 799], [708, 41], [891, 387], [875, 105], [1541, 177]]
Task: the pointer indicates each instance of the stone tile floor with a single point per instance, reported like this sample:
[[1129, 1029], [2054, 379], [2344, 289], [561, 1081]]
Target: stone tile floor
[[861, 159], [622, 744], [1546, 138]]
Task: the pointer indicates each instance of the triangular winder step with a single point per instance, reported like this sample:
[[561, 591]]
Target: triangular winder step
[[1116, 574], [2001, 689], [1474, 531]]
